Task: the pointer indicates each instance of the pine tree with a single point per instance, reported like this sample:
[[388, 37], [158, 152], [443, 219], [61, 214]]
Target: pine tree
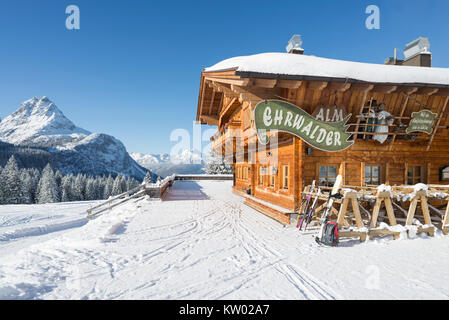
[[79, 188], [35, 176], [58, 177], [2, 186], [147, 178], [90, 189], [117, 186], [13, 190], [217, 165], [101, 182], [108, 188], [47, 190], [123, 184], [66, 188], [28, 186]]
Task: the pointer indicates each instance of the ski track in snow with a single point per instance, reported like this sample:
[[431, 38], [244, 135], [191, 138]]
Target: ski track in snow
[[213, 247]]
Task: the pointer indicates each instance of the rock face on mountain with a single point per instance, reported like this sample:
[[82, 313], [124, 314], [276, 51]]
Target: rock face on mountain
[[39, 123], [40, 127]]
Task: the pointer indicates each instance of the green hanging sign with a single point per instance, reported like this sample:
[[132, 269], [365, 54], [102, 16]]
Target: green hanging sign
[[286, 117], [421, 121]]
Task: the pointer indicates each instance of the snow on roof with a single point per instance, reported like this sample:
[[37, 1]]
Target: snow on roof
[[302, 67]]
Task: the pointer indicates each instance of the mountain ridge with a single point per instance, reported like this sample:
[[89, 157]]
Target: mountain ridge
[[185, 162], [39, 124]]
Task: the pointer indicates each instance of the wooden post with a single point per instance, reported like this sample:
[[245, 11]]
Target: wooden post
[[350, 197], [295, 170], [438, 123], [342, 212], [390, 211], [387, 173], [400, 120], [362, 174], [445, 223], [301, 205], [365, 94], [383, 197], [422, 198]]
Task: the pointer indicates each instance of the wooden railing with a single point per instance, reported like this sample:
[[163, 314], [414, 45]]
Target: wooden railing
[[116, 201], [153, 190]]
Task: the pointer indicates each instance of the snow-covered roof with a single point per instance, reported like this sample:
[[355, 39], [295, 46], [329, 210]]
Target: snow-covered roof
[[305, 67]]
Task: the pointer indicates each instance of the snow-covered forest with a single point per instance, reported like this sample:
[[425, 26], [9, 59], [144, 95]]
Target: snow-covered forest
[[216, 164], [27, 186]]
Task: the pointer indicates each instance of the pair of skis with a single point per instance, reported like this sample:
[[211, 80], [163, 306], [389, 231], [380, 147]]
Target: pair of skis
[[305, 205], [333, 194], [307, 213]]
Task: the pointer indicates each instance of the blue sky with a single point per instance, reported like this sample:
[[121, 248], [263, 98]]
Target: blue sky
[[133, 69]]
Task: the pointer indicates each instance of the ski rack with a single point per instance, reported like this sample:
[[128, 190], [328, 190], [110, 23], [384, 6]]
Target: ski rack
[[385, 198], [445, 222], [364, 212], [345, 231]]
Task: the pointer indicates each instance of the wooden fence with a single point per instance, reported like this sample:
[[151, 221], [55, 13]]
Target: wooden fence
[[153, 190]]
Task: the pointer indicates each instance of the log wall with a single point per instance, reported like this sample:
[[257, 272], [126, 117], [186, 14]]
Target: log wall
[[394, 157]]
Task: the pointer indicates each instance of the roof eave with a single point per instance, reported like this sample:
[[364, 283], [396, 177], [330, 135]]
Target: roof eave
[[262, 75]]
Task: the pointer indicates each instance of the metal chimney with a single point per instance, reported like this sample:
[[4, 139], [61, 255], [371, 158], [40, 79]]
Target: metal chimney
[[295, 45]]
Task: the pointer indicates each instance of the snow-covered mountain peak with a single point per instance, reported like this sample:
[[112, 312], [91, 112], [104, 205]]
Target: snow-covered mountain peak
[[38, 121]]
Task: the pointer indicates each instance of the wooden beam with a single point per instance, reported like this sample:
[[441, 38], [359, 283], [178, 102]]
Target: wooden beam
[[210, 120], [263, 83], [211, 102], [384, 89], [404, 106], [362, 87], [224, 89], [442, 92], [438, 123], [317, 85], [288, 84], [254, 95], [407, 90], [203, 92], [220, 105], [365, 95], [225, 111], [237, 82], [427, 91], [339, 86]]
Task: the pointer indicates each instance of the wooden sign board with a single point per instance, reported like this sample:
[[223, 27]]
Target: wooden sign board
[[421, 121], [281, 116], [330, 113]]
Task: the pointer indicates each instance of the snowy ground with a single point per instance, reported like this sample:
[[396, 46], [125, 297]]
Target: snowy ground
[[202, 242]]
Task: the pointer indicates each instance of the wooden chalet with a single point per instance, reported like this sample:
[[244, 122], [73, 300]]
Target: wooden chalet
[[390, 141]]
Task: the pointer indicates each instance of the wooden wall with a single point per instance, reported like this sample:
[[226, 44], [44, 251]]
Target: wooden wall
[[393, 158]]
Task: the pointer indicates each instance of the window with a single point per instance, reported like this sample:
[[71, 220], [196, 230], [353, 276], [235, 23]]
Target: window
[[245, 173], [261, 174], [272, 177], [414, 174], [285, 177], [327, 175], [372, 175]]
